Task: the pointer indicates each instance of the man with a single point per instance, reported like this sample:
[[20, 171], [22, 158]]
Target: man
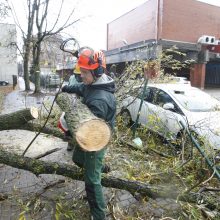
[[97, 92]]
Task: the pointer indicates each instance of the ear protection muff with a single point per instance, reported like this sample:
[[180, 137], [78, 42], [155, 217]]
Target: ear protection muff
[[100, 70]]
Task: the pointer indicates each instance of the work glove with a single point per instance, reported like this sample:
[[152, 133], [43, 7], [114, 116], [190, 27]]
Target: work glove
[[64, 88]]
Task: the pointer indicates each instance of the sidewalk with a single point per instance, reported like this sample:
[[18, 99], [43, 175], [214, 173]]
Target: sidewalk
[[18, 184], [19, 99]]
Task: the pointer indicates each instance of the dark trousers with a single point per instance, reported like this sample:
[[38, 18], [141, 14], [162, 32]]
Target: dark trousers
[[92, 164]]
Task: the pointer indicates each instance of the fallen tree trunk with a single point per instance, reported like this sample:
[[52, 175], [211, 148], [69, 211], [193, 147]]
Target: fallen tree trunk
[[90, 132], [38, 167], [17, 119], [41, 167]]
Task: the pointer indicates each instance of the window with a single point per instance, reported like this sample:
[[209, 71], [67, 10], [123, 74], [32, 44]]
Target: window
[[149, 94], [162, 98]]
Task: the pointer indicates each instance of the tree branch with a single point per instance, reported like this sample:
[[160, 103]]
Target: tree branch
[[38, 167]]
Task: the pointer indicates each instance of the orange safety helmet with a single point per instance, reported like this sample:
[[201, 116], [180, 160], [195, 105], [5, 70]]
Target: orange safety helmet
[[92, 60]]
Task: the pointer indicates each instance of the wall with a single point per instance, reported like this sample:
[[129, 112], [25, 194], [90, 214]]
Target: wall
[[197, 75], [188, 20], [51, 53], [8, 52], [134, 26], [178, 20]]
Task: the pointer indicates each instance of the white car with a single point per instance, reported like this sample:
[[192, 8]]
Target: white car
[[166, 105]]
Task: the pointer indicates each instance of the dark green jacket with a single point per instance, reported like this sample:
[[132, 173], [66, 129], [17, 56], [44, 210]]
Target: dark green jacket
[[99, 97]]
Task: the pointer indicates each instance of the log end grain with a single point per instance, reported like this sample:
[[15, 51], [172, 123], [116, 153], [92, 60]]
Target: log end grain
[[93, 135], [34, 112]]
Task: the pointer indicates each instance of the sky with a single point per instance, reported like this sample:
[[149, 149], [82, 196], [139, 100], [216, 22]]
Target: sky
[[94, 14], [91, 30], [110, 10]]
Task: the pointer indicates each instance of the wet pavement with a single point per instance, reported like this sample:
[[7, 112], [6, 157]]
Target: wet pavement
[[19, 99], [18, 184]]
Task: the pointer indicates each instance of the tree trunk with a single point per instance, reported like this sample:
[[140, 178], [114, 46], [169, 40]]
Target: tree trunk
[[36, 65], [38, 167], [27, 42], [30, 126], [17, 119], [90, 132], [26, 73]]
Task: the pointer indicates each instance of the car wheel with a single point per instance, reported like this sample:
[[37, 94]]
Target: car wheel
[[4, 84], [126, 118]]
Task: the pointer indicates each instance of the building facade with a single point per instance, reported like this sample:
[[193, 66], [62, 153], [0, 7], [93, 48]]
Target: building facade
[[8, 52], [192, 26], [53, 59]]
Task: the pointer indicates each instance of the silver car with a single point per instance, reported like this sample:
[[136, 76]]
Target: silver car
[[166, 105], [52, 80]]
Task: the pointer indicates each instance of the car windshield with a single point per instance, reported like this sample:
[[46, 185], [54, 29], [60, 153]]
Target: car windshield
[[196, 101]]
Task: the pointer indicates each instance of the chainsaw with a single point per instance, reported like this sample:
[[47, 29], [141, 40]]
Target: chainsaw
[[70, 45]]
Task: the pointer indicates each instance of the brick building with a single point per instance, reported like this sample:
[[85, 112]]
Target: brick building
[[193, 26]]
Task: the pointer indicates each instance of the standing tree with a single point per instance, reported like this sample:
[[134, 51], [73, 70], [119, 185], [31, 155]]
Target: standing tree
[[43, 32], [37, 19], [28, 40]]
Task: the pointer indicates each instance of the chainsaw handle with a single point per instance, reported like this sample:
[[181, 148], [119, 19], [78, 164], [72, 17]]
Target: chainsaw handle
[[73, 52]]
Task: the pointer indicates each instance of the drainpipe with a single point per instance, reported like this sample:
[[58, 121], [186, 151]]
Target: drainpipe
[[107, 38], [157, 21]]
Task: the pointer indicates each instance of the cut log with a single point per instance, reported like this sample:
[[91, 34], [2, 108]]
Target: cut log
[[17, 119], [90, 132]]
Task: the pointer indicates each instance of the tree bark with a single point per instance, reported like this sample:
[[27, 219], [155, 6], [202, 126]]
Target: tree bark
[[27, 42], [22, 120], [38, 167], [17, 119], [36, 65], [90, 132], [31, 126]]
